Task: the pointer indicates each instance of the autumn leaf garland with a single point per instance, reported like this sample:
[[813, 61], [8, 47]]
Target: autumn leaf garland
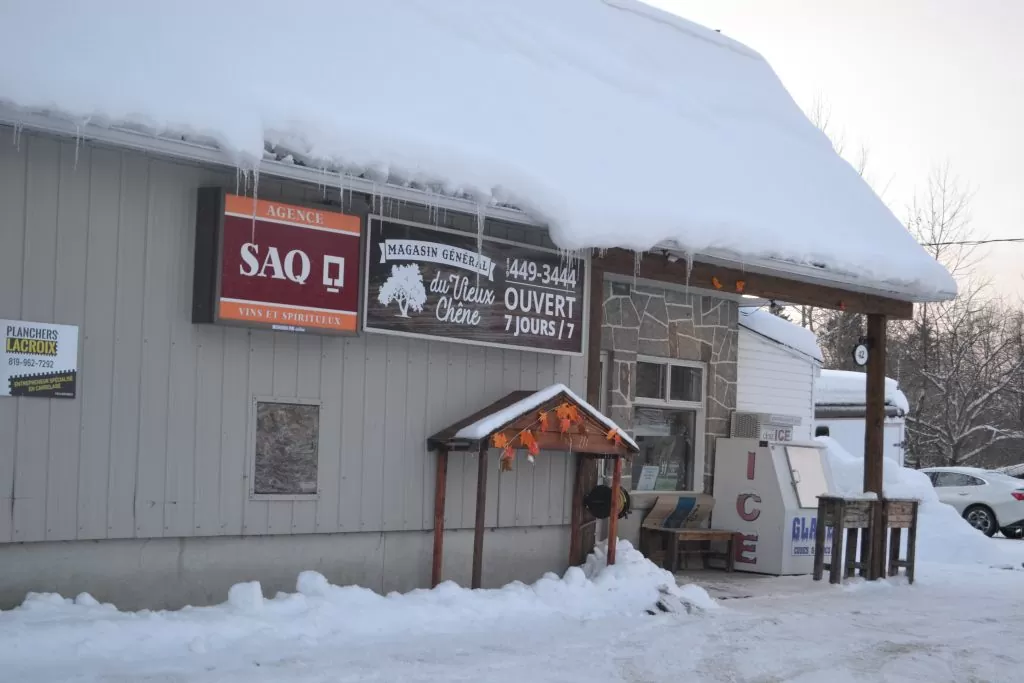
[[567, 416]]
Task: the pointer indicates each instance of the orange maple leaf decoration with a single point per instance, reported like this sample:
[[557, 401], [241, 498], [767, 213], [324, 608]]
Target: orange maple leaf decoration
[[530, 442], [614, 436], [741, 285], [543, 419], [716, 283], [506, 459], [564, 424], [568, 412], [499, 440]]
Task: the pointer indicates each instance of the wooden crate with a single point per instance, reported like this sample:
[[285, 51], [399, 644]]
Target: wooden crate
[[855, 512]]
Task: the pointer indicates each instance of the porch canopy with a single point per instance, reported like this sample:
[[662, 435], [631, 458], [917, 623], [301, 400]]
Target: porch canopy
[[526, 423]]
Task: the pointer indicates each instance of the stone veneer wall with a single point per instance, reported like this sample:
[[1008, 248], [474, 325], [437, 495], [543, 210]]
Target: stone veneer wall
[[671, 324]]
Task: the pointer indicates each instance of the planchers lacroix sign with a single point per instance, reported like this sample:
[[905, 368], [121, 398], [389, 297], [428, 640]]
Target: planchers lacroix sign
[[276, 265]]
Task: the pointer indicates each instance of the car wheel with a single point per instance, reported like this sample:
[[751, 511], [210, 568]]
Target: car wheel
[[1016, 532], [982, 519]]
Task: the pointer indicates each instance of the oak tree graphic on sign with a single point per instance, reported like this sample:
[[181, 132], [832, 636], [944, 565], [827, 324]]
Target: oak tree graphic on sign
[[405, 286]]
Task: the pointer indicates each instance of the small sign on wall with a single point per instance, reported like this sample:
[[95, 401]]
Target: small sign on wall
[[648, 478], [39, 360], [280, 266]]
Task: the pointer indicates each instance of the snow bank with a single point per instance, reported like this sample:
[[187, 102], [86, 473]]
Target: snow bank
[[942, 534], [846, 388], [631, 587], [591, 115], [782, 331]]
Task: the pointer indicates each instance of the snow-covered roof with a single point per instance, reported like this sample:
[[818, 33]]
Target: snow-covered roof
[[496, 420], [1013, 470], [614, 123], [845, 388], [781, 331]]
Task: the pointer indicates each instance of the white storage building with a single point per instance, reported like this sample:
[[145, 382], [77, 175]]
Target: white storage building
[[778, 365]]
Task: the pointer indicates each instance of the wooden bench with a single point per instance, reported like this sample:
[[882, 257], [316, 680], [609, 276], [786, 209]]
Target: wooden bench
[[682, 540], [675, 524]]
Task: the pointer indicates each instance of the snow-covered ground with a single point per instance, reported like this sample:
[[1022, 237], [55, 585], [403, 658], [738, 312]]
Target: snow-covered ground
[[954, 624], [960, 621]]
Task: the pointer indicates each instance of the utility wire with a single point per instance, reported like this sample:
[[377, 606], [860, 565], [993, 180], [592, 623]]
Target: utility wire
[[1012, 240]]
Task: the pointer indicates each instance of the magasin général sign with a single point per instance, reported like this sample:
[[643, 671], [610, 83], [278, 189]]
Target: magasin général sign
[[434, 282], [277, 265]]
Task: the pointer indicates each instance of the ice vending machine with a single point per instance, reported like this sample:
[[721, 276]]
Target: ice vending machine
[[768, 492]]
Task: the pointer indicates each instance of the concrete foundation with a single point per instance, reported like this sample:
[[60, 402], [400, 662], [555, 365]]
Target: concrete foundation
[[173, 572]]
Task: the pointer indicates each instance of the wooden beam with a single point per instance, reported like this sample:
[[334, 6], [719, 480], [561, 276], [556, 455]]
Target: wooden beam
[[874, 436], [655, 266], [440, 485], [478, 529], [577, 512], [594, 443], [613, 520]]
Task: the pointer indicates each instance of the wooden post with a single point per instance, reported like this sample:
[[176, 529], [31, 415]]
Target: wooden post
[[912, 545], [895, 539], [835, 569], [575, 537], [874, 427], [440, 484], [613, 520], [478, 530], [588, 538], [819, 541], [865, 553]]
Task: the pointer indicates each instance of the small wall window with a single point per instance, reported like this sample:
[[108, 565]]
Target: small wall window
[[286, 448], [669, 382], [667, 440]]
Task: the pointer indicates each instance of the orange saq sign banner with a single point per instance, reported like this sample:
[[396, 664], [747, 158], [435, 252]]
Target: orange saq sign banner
[[262, 263]]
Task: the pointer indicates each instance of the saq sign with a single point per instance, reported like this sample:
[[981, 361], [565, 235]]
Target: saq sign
[[282, 266]]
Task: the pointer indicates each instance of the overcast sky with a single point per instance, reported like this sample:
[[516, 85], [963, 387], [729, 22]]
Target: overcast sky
[[919, 82]]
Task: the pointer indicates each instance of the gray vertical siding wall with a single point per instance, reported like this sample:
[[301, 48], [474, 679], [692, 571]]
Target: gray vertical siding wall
[[155, 445]]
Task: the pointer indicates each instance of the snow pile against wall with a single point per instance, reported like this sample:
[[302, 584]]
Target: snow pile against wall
[[80, 629], [591, 115], [842, 387], [782, 331], [942, 534]]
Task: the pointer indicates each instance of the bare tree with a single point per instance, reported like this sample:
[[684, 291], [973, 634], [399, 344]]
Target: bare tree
[[941, 221], [962, 397]]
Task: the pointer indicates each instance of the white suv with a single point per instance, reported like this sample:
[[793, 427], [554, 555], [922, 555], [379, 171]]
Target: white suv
[[990, 501]]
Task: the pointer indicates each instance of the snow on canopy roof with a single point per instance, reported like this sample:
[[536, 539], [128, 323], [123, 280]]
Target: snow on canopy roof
[[781, 331], [617, 124], [495, 421], [845, 388]]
